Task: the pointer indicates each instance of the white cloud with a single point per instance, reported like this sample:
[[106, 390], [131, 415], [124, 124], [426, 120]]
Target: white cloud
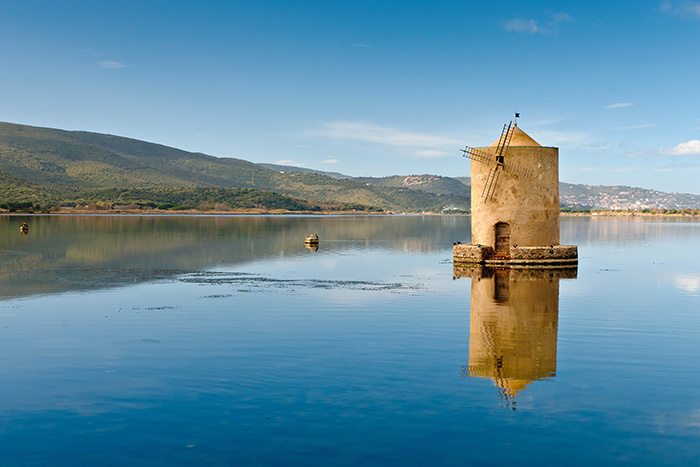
[[530, 26], [687, 282], [623, 169], [330, 161], [383, 135], [558, 137], [682, 9], [522, 25], [620, 105], [288, 162], [562, 17], [431, 153], [634, 127], [111, 64], [544, 122], [683, 149], [588, 169]]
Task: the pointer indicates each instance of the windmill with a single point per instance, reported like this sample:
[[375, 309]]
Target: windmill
[[517, 220], [497, 161]]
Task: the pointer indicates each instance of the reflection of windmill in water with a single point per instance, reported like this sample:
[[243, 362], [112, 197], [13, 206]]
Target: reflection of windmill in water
[[515, 203], [513, 326]]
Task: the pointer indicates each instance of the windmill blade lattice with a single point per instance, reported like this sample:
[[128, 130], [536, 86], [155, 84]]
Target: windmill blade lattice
[[497, 162], [490, 185], [518, 170], [476, 155], [503, 142]]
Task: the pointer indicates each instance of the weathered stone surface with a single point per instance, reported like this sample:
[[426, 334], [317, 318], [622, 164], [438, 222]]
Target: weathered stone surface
[[482, 254], [539, 253], [471, 253], [529, 205], [522, 207]]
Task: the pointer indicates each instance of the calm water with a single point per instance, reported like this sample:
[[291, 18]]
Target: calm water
[[221, 340]]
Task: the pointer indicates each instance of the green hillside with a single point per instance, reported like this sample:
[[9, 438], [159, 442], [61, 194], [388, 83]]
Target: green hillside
[[48, 167]]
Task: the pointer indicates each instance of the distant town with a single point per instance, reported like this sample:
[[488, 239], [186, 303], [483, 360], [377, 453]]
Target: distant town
[[624, 198]]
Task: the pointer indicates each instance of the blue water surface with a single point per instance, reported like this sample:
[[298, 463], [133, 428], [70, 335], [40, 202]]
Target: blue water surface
[[209, 341]]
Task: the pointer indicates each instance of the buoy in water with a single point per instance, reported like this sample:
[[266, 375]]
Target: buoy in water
[[24, 228], [313, 238]]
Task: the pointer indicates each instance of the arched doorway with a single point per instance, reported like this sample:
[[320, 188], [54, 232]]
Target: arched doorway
[[502, 246]]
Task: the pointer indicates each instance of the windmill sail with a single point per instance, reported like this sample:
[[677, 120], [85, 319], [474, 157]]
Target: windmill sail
[[490, 185], [517, 170], [497, 161], [503, 143], [476, 155]]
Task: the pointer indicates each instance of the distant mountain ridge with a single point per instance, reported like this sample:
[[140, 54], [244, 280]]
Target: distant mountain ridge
[[47, 166], [571, 195], [293, 168]]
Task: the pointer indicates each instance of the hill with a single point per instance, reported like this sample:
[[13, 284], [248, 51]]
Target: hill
[[50, 166], [56, 167], [571, 195], [292, 168], [426, 183], [623, 197]]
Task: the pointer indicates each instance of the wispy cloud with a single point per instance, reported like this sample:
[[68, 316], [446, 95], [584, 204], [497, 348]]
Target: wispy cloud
[[288, 162], [691, 147], [562, 17], [559, 137], [371, 133], [522, 25], [361, 45], [619, 105], [330, 161], [544, 122], [111, 64], [634, 127], [531, 26], [624, 169], [682, 9], [431, 153]]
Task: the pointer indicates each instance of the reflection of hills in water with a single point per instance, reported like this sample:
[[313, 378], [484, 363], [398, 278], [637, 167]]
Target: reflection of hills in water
[[513, 325], [616, 230], [69, 252]]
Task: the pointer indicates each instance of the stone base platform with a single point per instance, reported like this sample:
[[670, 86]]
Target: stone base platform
[[554, 255]]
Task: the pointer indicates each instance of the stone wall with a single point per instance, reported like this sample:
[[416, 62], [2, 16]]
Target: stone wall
[[483, 254], [471, 253], [530, 205]]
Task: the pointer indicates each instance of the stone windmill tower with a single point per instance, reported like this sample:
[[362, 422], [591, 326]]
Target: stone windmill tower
[[514, 203]]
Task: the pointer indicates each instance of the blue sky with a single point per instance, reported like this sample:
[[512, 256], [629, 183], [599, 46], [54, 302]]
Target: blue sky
[[370, 87]]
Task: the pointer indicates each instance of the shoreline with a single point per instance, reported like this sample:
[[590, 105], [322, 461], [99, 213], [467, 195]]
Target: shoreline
[[259, 212]]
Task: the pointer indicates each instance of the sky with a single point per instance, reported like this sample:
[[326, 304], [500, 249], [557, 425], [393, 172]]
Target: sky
[[370, 88]]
